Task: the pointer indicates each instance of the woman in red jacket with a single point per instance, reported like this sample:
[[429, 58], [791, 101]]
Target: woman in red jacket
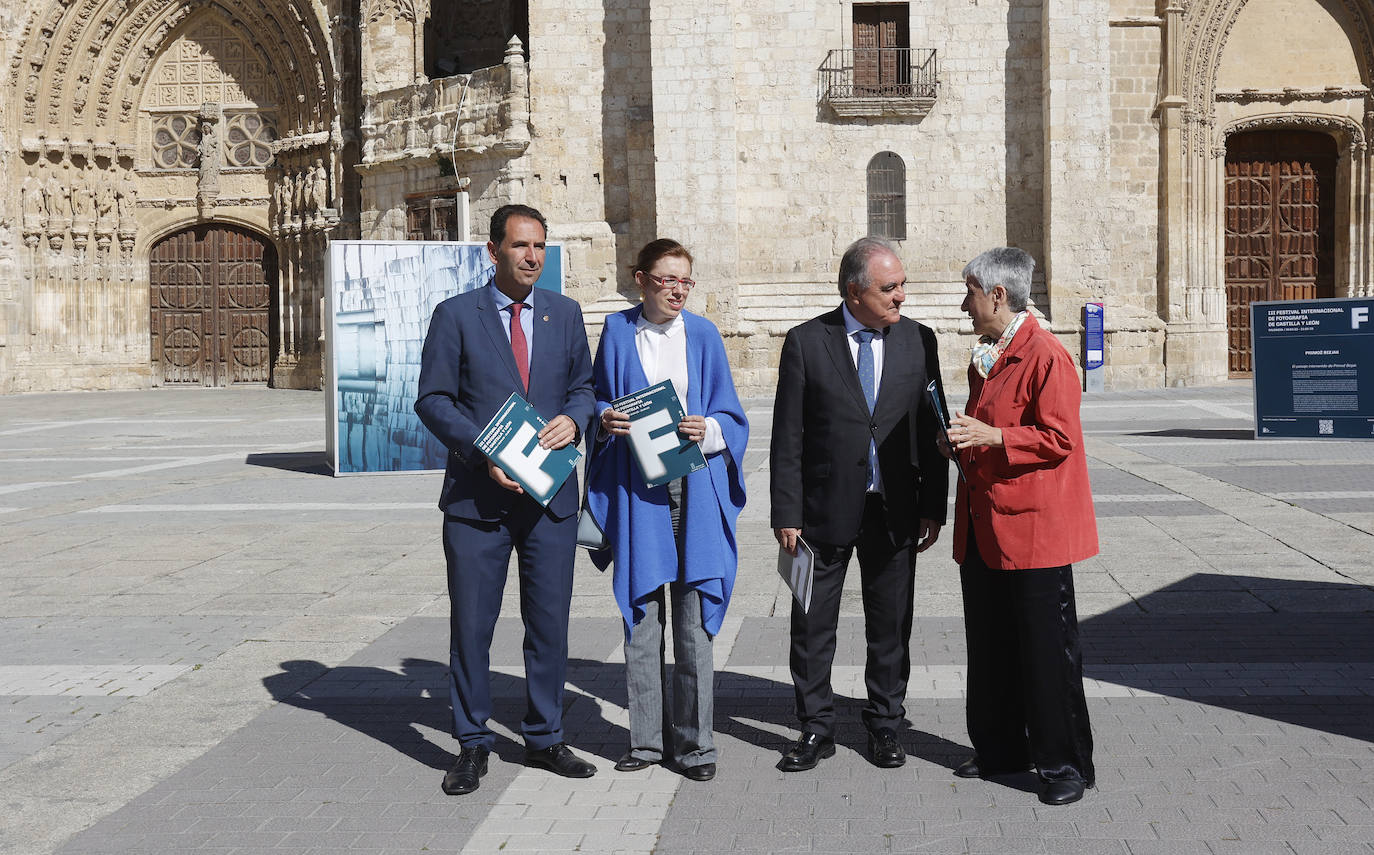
[[1023, 516]]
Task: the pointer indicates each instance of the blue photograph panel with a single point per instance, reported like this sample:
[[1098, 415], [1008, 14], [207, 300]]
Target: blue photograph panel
[[382, 297], [1314, 368]]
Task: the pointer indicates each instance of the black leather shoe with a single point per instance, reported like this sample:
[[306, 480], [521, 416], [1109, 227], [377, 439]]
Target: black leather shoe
[[884, 749], [1062, 792], [973, 768], [704, 772], [559, 760], [806, 752], [466, 774], [631, 763]]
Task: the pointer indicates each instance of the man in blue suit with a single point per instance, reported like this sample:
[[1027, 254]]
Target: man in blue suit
[[507, 337]]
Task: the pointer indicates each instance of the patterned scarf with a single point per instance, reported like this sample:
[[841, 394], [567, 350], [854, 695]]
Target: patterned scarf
[[986, 352]]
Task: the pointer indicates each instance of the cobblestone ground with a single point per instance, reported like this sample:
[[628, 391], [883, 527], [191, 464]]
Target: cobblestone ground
[[208, 644]]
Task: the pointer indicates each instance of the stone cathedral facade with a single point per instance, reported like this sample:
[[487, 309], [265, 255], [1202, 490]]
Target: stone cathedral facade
[[171, 171]]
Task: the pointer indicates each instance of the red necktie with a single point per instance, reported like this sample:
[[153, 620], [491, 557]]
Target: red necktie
[[518, 345]]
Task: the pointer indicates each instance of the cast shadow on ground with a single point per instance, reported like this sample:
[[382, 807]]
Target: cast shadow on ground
[[400, 707], [1287, 636], [306, 462], [1199, 433], [397, 707]]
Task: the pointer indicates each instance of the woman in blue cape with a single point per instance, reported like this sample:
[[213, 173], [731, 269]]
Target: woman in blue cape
[[673, 546]]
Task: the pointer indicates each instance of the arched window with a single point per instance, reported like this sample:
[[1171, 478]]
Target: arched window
[[887, 196]]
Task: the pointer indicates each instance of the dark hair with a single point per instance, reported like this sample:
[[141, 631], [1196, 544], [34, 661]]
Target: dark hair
[[661, 248], [505, 212], [854, 262]]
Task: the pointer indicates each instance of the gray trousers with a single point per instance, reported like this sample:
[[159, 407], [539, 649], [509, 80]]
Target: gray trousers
[[679, 729]]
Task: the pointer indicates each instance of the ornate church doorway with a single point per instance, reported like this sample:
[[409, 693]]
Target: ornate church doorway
[[1280, 226], [212, 292]]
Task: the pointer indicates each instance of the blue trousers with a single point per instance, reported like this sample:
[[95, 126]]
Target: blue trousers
[[478, 553]]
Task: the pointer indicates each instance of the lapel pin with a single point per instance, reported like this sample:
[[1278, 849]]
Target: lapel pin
[[546, 319]]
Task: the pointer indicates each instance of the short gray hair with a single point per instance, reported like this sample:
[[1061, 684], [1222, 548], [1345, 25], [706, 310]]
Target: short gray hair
[[854, 262], [1006, 266]]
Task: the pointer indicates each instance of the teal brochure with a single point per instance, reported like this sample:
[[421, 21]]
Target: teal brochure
[[511, 440], [662, 453]]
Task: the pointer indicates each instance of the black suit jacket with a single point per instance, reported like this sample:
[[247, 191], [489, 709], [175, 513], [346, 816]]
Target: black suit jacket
[[821, 430]]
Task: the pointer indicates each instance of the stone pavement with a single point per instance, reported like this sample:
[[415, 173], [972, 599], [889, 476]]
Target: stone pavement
[[208, 644]]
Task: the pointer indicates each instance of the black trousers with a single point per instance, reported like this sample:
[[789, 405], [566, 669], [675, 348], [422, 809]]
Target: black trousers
[[887, 570], [1025, 670]]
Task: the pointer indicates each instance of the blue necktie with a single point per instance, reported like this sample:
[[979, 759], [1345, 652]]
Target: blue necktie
[[870, 386]]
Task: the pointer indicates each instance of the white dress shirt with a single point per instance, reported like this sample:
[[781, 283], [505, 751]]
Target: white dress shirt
[[852, 326]]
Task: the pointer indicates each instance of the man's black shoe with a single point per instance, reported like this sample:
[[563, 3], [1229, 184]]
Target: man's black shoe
[[704, 772], [806, 752], [631, 763], [466, 774], [1062, 792], [559, 760], [973, 768], [884, 749]]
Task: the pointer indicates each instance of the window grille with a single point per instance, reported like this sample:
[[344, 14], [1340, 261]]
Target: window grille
[[887, 196]]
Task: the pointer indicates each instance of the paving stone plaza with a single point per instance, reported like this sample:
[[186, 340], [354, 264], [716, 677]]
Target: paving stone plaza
[[208, 644]]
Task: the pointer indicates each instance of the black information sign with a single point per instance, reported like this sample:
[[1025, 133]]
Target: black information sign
[[1314, 368]]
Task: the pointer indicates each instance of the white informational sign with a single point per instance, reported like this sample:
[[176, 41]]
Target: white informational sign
[[378, 303]]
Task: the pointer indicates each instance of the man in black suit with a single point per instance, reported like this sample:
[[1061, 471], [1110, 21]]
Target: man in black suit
[[855, 466], [483, 345]]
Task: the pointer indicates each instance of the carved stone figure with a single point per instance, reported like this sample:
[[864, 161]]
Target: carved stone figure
[[58, 200], [126, 203], [282, 196], [82, 201], [35, 213], [319, 187], [106, 220], [298, 197]]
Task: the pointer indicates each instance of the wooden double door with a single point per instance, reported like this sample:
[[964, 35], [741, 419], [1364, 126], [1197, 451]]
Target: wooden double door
[[882, 55], [1280, 226], [211, 296]]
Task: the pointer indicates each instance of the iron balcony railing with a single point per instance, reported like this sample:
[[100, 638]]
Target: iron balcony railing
[[879, 73]]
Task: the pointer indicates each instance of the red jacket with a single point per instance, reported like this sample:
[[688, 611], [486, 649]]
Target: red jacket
[[1030, 501]]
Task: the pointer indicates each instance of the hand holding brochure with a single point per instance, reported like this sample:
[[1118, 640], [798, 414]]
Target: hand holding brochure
[[798, 571], [511, 441], [937, 401], [662, 453]]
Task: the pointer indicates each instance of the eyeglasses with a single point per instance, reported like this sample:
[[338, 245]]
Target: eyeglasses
[[669, 283]]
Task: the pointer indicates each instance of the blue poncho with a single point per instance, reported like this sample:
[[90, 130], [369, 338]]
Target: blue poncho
[[634, 516]]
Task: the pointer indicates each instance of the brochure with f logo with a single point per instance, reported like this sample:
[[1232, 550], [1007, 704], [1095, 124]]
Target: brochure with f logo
[[511, 441], [662, 453]]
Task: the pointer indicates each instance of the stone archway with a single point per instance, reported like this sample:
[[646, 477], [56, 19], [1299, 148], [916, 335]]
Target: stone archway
[[212, 297], [137, 117], [1233, 66]]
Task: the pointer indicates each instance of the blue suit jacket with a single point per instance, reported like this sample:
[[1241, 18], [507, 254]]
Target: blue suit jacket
[[467, 372]]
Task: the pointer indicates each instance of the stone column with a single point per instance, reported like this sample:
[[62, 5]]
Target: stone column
[[1075, 57]]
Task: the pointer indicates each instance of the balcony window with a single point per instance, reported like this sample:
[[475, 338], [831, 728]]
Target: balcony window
[[882, 75]]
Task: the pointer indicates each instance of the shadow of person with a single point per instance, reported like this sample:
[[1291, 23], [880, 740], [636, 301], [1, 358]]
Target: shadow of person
[[387, 705], [393, 706], [753, 709]]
